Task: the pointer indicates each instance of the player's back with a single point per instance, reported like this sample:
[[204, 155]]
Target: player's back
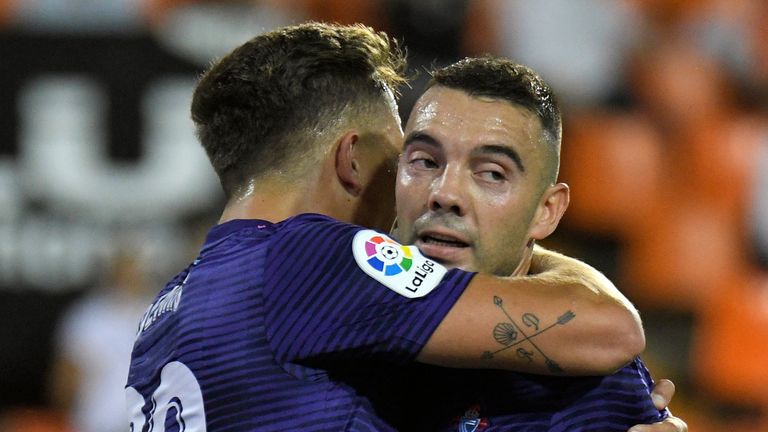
[[203, 361]]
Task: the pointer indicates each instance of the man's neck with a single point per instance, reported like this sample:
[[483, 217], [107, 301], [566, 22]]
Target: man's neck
[[277, 201]]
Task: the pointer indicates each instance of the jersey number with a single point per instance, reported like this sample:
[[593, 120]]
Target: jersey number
[[175, 406]]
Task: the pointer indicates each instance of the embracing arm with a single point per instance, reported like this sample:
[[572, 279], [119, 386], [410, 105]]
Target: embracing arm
[[559, 268], [566, 319]]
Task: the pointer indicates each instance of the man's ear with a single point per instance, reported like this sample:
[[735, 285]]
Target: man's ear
[[347, 166], [551, 209]]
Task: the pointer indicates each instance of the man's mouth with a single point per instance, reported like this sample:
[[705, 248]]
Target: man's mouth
[[446, 248], [442, 240]]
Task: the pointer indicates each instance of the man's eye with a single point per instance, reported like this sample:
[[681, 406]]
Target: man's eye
[[492, 176], [421, 162]]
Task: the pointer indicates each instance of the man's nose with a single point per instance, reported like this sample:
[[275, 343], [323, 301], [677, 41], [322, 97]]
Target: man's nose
[[447, 194]]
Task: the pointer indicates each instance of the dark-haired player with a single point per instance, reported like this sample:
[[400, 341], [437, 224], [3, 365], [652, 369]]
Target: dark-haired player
[[477, 186]]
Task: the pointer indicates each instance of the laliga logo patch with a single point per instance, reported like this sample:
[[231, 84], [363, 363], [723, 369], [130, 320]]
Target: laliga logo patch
[[387, 256], [402, 269]]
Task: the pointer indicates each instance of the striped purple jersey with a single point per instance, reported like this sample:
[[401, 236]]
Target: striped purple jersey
[[444, 399], [272, 327]]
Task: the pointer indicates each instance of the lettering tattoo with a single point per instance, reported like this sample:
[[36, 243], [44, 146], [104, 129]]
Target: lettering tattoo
[[511, 334]]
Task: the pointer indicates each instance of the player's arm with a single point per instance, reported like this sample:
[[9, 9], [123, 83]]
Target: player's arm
[[556, 266], [567, 319]]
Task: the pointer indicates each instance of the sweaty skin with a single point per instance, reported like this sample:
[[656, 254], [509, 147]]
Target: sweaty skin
[[467, 163]]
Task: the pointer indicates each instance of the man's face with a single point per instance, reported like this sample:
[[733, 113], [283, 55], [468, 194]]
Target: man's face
[[470, 180]]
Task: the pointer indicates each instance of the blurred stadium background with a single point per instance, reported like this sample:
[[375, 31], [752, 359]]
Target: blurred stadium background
[[104, 192]]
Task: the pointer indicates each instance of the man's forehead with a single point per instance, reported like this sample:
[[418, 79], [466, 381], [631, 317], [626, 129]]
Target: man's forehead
[[425, 108], [451, 110]]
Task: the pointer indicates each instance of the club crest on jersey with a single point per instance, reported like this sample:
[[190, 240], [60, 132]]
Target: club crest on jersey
[[472, 422], [402, 269]]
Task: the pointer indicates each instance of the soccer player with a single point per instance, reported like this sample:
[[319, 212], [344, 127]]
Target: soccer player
[[477, 186], [288, 304]]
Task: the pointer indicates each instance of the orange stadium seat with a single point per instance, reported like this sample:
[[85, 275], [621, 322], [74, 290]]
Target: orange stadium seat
[[729, 356], [720, 160], [697, 234], [680, 254], [613, 164]]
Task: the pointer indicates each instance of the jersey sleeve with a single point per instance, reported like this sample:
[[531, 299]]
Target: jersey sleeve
[[325, 300]]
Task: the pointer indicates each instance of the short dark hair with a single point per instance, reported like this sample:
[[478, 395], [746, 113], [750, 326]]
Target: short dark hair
[[265, 103], [502, 78]]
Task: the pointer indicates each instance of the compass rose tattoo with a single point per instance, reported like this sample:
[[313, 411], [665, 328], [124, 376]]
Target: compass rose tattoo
[[510, 334]]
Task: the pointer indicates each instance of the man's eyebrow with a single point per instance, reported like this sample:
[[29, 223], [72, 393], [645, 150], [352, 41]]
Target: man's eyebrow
[[504, 150], [421, 137]]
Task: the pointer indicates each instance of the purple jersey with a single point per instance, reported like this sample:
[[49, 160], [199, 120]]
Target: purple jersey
[[273, 324], [444, 399]]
